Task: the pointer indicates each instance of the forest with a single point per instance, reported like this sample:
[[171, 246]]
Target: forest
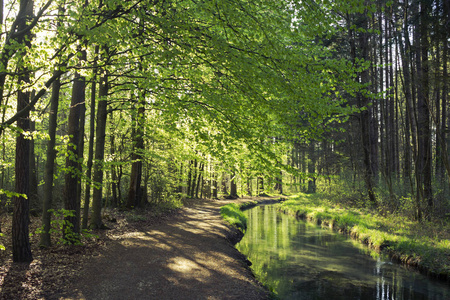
[[144, 103]]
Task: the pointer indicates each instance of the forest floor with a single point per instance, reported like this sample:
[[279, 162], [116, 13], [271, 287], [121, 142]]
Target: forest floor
[[184, 254]]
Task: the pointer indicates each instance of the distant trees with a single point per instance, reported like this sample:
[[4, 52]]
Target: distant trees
[[400, 49]]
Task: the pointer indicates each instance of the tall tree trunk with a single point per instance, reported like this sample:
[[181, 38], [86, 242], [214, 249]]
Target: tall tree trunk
[[444, 139], [20, 231], [33, 196], [21, 219], [233, 186], [73, 166], [114, 201], [50, 163], [134, 192], [423, 168], [224, 184], [214, 184], [260, 185], [189, 179], [81, 155], [199, 179], [445, 123], [102, 114], [311, 168], [363, 101], [408, 118], [194, 179], [91, 142]]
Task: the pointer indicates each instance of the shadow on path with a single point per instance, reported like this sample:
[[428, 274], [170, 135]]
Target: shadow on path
[[187, 257]]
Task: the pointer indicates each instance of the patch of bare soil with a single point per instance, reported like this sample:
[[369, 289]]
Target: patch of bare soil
[[183, 255]]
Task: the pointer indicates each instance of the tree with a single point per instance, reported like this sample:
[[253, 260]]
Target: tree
[[102, 114], [20, 231], [74, 155]]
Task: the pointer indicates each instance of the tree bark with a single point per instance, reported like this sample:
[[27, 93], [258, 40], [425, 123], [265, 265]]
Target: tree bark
[[134, 191], [102, 113], [49, 165], [311, 168], [423, 166], [21, 219], [363, 102], [72, 160], [91, 143], [233, 186]]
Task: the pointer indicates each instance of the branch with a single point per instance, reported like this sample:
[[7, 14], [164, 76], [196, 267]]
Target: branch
[[35, 99]]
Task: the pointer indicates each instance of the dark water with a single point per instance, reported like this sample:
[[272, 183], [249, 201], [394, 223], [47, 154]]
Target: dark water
[[299, 260]]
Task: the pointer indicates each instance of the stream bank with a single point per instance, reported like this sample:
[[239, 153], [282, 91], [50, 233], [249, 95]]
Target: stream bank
[[423, 246], [300, 260]]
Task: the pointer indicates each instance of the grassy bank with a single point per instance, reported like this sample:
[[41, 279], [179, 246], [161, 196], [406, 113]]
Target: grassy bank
[[423, 245], [232, 213]]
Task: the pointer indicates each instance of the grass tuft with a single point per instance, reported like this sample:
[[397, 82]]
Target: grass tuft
[[232, 214]]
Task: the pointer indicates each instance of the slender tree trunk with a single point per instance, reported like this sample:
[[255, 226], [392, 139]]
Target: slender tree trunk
[[260, 185], [134, 192], [33, 197], [91, 143], [311, 168], [102, 113], [445, 119], [72, 161], [199, 179], [194, 179], [114, 201], [81, 156], [215, 185], [50, 163], [233, 186], [224, 184], [404, 53], [423, 174]]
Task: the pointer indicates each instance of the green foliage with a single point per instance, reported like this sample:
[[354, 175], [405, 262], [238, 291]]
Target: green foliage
[[11, 194], [2, 247], [233, 214], [64, 229]]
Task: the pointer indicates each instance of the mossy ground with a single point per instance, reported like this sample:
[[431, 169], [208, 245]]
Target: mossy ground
[[424, 245]]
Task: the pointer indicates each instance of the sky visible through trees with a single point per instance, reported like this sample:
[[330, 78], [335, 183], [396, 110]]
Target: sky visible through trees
[[126, 104]]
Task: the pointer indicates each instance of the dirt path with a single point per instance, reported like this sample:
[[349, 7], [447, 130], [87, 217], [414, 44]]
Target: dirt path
[[185, 257]]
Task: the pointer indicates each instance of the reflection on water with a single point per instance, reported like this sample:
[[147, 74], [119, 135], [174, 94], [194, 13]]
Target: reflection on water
[[299, 260]]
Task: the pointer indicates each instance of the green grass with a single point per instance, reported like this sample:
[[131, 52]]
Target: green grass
[[232, 213], [423, 245]]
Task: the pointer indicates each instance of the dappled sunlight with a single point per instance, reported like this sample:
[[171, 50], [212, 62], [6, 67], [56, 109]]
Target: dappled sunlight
[[188, 269], [187, 257]]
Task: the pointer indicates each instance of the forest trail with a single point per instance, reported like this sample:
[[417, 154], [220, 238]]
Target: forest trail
[[185, 257]]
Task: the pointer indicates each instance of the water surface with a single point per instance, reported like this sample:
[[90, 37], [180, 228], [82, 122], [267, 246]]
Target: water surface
[[299, 260]]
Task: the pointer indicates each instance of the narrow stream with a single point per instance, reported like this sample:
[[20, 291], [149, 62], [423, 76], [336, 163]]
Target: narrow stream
[[299, 260]]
